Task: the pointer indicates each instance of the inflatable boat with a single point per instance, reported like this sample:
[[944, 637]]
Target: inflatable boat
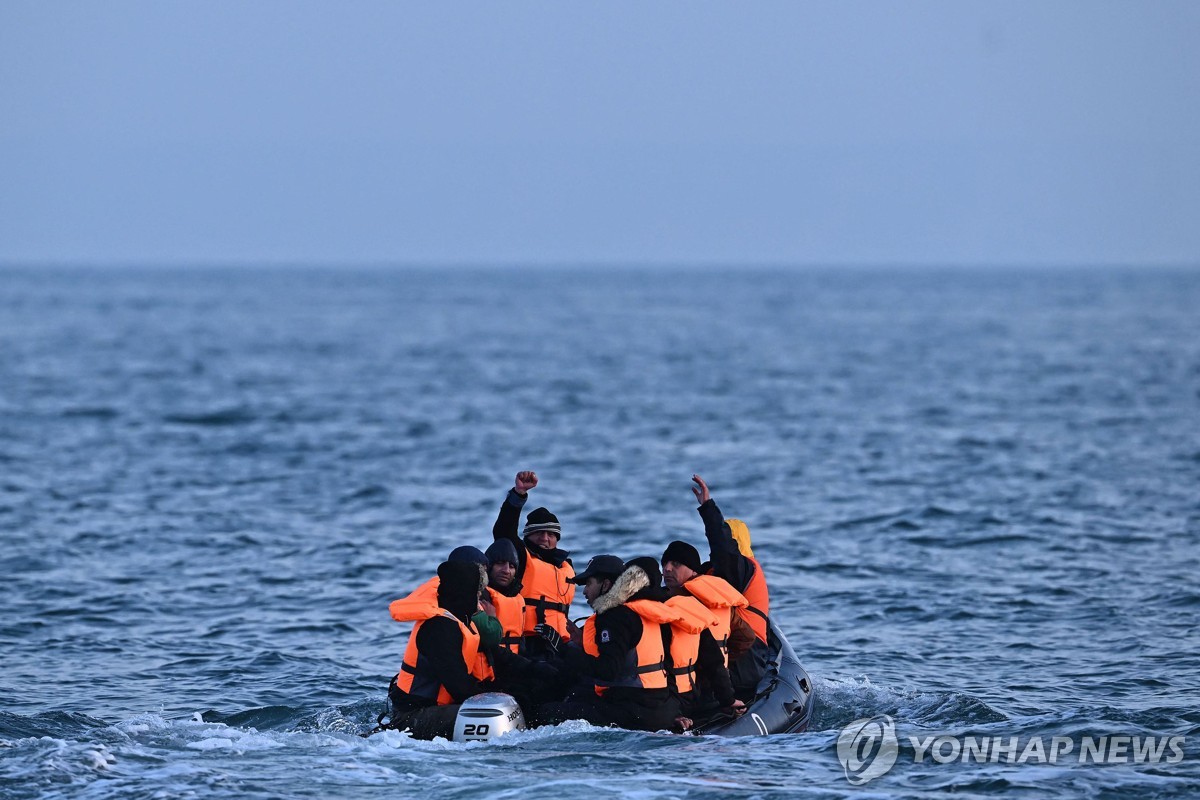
[[783, 703]]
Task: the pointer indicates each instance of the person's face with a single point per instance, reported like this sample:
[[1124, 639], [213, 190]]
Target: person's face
[[544, 539], [593, 588], [501, 574], [676, 574]]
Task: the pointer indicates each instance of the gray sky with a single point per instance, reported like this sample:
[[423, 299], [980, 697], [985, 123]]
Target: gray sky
[[799, 132]]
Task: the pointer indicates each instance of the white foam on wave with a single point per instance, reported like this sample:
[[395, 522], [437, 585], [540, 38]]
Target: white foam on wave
[[842, 700], [404, 740], [218, 736]]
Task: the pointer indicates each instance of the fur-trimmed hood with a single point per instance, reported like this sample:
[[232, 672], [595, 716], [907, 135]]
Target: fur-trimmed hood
[[630, 582]]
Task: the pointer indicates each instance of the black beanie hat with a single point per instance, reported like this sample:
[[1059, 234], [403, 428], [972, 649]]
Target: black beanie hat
[[540, 519], [502, 550], [469, 554], [682, 553]]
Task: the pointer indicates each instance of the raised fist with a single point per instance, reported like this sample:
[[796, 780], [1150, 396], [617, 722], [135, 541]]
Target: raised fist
[[525, 481]]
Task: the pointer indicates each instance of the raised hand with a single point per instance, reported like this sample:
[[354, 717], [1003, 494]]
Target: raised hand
[[525, 481], [700, 490]]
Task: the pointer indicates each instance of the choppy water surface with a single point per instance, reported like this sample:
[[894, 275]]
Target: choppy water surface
[[975, 495]]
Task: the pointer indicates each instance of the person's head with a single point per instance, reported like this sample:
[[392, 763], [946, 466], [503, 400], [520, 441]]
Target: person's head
[[680, 563], [649, 566], [542, 529], [502, 563], [598, 576], [468, 554], [459, 586]]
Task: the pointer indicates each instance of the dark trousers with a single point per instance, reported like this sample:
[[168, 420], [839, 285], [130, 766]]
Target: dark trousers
[[427, 723], [424, 722], [747, 670]]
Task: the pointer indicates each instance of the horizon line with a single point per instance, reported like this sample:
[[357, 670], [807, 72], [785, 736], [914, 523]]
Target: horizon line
[[561, 264]]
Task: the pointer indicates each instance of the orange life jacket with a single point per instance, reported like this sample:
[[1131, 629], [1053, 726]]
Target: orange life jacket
[[426, 592], [416, 678], [646, 664], [510, 611], [760, 602], [694, 619], [721, 598], [547, 594]]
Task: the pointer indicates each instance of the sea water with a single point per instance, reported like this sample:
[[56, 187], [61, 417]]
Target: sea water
[[974, 494]]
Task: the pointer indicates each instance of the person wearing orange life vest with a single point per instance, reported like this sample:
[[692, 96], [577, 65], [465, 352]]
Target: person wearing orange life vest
[[485, 620], [698, 654], [622, 650], [441, 667], [731, 558], [504, 600], [544, 571], [498, 622]]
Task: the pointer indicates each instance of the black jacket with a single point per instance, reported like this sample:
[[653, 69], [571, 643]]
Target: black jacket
[[726, 560], [618, 630]]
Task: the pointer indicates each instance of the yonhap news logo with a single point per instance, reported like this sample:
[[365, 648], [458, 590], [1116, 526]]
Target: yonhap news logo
[[869, 748]]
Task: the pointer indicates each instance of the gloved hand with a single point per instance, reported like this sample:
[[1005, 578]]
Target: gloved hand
[[550, 635]]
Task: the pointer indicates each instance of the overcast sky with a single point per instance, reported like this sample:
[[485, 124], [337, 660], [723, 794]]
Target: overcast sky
[[799, 132]]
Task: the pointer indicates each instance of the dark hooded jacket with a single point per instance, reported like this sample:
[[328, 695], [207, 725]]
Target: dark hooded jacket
[[440, 641]]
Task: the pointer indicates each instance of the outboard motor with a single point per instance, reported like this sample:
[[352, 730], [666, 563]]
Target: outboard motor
[[487, 716]]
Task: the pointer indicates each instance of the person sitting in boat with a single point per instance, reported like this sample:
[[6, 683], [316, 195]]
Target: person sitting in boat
[[622, 650], [443, 664], [484, 619], [699, 641], [498, 620], [731, 558], [504, 601], [543, 570]]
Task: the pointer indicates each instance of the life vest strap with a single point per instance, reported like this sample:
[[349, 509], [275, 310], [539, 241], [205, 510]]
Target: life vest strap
[[688, 670], [543, 604], [659, 667], [406, 668], [760, 613]]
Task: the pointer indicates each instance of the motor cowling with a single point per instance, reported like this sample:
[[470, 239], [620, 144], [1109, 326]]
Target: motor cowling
[[487, 716]]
